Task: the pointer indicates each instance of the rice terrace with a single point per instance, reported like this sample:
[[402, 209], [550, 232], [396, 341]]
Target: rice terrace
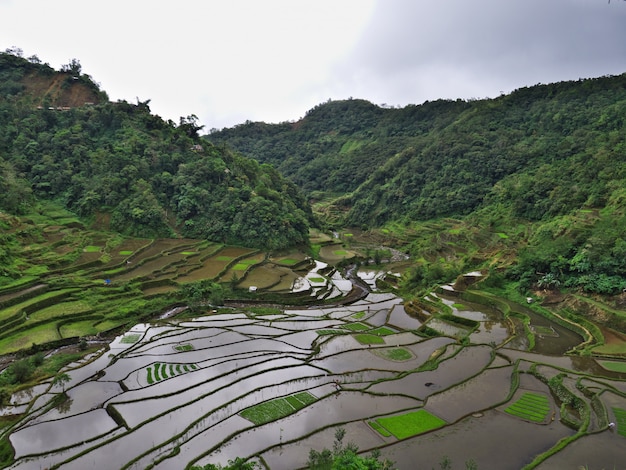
[[305, 349]]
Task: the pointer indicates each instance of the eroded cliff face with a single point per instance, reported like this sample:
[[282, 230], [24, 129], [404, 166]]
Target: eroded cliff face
[[59, 90]]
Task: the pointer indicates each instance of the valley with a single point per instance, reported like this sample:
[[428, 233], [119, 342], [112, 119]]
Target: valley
[[444, 283], [250, 374]]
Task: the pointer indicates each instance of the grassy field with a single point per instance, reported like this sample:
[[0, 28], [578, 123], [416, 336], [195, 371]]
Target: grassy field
[[81, 328]]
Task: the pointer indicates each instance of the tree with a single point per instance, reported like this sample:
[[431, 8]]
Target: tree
[[345, 457], [190, 125], [201, 293], [61, 379], [73, 67], [21, 370], [548, 281], [237, 464]]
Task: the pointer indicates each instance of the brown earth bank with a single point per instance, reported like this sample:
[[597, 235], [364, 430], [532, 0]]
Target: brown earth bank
[[55, 90]]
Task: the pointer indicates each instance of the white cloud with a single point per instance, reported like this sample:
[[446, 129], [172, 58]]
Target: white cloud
[[231, 60]]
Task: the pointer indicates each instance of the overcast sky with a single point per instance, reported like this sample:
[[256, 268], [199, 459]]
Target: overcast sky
[[228, 61]]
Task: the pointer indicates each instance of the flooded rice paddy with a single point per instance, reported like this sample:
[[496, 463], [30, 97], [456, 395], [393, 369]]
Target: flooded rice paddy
[[169, 395]]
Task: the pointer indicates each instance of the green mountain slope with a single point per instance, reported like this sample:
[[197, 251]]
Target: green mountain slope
[[530, 184], [126, 169], [545, 150]]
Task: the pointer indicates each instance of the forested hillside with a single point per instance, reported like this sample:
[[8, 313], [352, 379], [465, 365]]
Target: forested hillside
[[444, 158], [122, 168], [534, 180]]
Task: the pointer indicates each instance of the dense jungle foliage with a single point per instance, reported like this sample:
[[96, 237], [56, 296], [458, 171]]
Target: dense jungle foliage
[[531, 182], [125, 169]]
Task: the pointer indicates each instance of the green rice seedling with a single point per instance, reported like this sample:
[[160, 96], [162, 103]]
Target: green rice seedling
[[614, 366], [530, 406], [288, 261], [277, 408], [383, 331], [411, 424], [330, 332], [366, 338], [130, 338], [268, 411], [620, 417], [294, 402], [395, 354], [378, 428], [356, 326], [306, 397]]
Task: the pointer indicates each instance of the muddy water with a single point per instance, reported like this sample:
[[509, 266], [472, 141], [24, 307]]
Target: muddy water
[[242, 361], [342, 407], [45, 437], [495, 441], [560, 341]]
